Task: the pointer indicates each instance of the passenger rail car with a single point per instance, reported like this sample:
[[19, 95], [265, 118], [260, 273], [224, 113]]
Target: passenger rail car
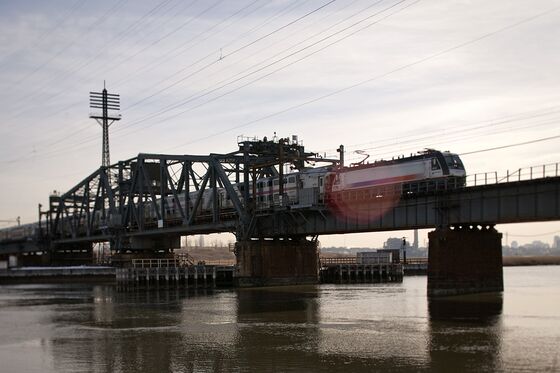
[[19, 232]]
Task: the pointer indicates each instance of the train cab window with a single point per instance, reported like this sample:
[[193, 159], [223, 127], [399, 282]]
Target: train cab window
[[292, 179], [435, 165], [276, 182], [454, 162], [269, 183]]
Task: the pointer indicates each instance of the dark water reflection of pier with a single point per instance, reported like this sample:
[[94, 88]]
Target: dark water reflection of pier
[[466, 331]]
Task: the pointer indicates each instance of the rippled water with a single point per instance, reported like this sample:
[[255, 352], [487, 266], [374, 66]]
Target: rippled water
[[327, 328]]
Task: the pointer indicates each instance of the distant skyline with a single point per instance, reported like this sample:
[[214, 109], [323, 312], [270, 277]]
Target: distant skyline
[[388, 77]]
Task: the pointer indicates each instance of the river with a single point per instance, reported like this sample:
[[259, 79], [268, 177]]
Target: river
[[324, 328]]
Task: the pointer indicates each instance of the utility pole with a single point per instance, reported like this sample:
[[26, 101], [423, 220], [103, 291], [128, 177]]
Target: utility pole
[[404, 249], [107, 102]]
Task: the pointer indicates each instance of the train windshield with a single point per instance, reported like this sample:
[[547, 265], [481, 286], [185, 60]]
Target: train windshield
[[454, 162]]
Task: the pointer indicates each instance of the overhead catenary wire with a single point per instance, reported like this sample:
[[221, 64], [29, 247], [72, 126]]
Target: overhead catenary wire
[[436, 133], [236, 51], [260, 25], [196, 97], [484, 36], [245, 73], [377, 77], [398, 69], [192, 41], [50, 97]]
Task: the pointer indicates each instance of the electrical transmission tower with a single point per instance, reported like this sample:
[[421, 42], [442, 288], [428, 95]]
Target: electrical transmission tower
[[110, 105]]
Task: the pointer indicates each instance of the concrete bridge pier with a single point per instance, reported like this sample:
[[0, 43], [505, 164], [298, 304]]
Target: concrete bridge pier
[[276, 262], [465, 259]]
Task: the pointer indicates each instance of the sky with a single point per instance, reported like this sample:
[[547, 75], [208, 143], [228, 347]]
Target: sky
[[387, 77]]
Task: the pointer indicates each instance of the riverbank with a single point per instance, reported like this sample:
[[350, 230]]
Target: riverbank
[[510, 261], [58, 274]]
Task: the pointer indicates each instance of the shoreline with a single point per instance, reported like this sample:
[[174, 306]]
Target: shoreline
[[514, 261]]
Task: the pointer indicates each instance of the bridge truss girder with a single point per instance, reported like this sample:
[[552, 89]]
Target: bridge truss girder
[[153, 194]]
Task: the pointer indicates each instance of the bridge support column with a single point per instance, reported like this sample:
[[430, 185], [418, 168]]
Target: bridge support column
[[464, 260], [276, 262]]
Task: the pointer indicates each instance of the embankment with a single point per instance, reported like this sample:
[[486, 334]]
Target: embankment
[[530, 260]]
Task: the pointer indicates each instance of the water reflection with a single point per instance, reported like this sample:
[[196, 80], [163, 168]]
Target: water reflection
[[334, 328], [466, 331], [277, 327]]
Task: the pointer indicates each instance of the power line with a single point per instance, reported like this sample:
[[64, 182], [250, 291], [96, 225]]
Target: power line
[[175, 30], [371, 79], [461, 129], [92, 138], [444, 141], [512, 145], [235, 51], [195, 97], [281, 11], [188, 99], [189, 41], [120, 36]]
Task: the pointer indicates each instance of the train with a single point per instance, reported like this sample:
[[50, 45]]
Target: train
[[353, 190], [19, 232], [343, 189]]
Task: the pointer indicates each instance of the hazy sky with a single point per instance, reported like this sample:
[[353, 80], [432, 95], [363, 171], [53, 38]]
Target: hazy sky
[[388, 77]]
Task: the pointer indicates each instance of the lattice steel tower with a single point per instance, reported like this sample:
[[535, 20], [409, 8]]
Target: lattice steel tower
[[110, 105]]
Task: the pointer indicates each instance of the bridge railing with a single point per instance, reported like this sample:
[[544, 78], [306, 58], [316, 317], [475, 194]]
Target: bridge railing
[[340, 260], [417, 261], [520, 174], [155, 263], [219, 262]]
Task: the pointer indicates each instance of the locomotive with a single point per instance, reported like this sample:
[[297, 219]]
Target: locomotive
[[367, 191]]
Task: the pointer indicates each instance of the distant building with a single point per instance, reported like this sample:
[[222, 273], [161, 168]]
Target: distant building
[[394, 243], [556, 242]]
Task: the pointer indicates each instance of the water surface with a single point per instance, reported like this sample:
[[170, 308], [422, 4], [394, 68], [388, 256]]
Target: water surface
[[334, 328]]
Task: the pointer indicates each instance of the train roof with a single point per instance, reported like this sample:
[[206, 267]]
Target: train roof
[[427, 153]]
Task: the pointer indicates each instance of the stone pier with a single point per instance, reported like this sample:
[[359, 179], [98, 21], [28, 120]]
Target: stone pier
[[465, 260], [276, 262]]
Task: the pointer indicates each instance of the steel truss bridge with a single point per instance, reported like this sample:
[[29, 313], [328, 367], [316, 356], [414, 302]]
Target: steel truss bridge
[[149, 201]]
